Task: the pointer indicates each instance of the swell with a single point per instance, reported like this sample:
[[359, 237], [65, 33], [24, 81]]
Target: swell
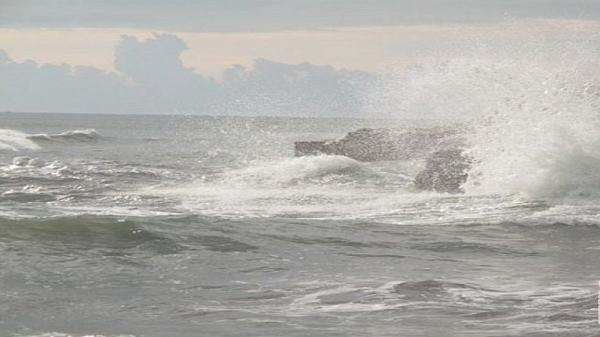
[[469, 301], [88, 232], [114, 235]]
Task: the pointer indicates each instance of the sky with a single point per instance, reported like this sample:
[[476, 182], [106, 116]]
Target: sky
[[278, 15], [285, 57]]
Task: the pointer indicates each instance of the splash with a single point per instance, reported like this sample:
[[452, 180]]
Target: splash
[[540, 136]]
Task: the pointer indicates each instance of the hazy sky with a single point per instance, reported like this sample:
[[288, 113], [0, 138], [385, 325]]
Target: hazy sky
[[362, 37], [274, 15], [368, 35]]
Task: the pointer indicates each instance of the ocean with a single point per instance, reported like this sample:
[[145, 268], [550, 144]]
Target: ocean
[[130, 225]]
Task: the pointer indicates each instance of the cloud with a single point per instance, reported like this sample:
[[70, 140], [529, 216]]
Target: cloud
[[274, 15], [28, 86], [305, 89], [151, 78], [157, 76]]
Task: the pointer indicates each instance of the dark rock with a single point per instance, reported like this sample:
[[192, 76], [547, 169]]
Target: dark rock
[[311, 148], [380, 144], [446, 168], [445, 172]]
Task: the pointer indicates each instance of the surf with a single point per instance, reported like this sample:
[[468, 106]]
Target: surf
[[13, 140]]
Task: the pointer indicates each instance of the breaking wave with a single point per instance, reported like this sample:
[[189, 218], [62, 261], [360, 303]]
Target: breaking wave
[[85, 135], [312, 186], [13, 140], [301, 169]]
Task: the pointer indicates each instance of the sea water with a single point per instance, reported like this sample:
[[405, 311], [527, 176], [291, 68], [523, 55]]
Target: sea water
[[118, 225]]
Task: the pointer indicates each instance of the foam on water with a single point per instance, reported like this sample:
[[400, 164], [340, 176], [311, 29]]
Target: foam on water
[[23, 166], [308, 186]]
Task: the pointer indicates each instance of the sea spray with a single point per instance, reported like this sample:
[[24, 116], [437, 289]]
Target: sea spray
[[530, 114], [542, 128]]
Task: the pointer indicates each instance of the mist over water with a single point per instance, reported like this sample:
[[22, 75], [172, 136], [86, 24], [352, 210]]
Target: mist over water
[[171, 225]]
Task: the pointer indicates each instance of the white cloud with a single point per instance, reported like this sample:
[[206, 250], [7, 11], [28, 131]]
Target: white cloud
[[144, 72], [151, 78]]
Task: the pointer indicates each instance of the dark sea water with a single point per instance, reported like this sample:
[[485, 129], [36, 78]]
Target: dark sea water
[[209, 226]]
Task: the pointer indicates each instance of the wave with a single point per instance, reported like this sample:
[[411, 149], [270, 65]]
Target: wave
[[90, 231], [313, 186], [290, 171], [14, 140], [475, 302], [85, 135]]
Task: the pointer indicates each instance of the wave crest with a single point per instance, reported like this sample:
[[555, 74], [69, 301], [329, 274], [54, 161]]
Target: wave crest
[[14, 140], [84, 135], [301, 169]]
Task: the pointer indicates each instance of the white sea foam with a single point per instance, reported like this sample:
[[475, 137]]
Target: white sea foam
[[309, 186], [73, 135], [294, 170], [14, 140]]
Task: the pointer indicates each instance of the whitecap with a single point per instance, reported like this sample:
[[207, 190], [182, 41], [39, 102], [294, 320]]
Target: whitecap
[[13, 140]]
